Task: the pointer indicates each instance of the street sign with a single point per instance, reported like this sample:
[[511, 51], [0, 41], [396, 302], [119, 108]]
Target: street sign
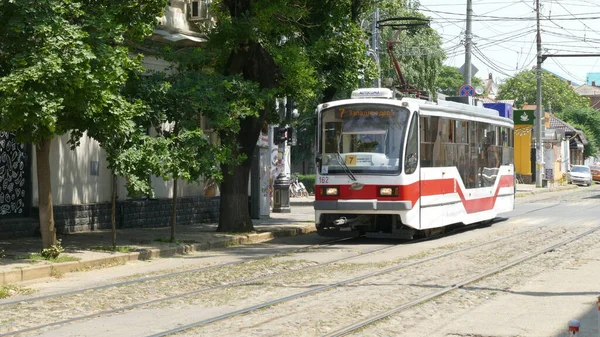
[[467, 90], [474, 70]]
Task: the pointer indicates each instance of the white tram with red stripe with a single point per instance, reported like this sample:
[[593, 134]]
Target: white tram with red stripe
[[395, 168]]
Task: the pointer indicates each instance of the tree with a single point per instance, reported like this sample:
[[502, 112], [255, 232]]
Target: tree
[[336, 36], [556, 93], [417, 49], [62, 67], [588, 120], [450, 80], [183, 149]]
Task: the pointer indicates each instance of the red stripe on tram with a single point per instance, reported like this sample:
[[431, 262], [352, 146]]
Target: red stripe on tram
[[414, 191]]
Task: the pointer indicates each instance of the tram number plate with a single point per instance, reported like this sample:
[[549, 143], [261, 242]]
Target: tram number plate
[[323, 180]]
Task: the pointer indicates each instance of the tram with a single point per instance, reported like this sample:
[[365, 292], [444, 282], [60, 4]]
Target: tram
[[407, 167]]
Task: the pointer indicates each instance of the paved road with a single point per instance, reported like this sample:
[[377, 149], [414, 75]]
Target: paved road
[[533, 300]]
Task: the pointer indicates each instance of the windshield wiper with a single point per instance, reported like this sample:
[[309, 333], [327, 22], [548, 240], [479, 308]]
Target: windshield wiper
[[346, 168]]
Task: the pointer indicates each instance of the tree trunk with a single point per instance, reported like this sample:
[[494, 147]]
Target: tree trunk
[[113, 212], [234, 214], [47, 229], [254, 63], [174, 211]]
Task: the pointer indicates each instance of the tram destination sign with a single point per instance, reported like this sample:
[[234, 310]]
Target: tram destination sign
[[344, 113]]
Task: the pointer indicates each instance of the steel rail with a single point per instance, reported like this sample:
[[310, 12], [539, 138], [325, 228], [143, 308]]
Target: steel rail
[[334, 285], [195, 292], [233, 284], [152, 278], [157, 277], [370, 320]]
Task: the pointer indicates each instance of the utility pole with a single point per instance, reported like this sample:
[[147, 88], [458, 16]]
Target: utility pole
[[375, 46], [468, 43], [539, 118]]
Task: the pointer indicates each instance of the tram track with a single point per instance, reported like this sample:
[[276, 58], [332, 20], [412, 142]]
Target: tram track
[[454, 231], [160, 276], [195, 292], [234, 284], [436, 294], [320, 289]]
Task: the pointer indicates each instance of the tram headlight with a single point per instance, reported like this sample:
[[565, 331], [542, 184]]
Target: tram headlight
[[388, 191], [330, 191]]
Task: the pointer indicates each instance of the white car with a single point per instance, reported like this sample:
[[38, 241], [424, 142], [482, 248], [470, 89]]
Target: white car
[[580, 175]]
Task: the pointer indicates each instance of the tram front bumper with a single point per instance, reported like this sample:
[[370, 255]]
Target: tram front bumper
[[361, 205]]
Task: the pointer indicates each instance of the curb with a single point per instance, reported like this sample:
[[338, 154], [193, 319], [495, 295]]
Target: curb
[[301, 203], [52, 269]]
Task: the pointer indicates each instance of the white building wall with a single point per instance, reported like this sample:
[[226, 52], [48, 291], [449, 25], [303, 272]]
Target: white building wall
[[73, 183], [71, 178], [164, 189]]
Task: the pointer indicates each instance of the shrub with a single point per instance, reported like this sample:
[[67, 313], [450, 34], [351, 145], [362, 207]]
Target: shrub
[[53, 252], [309, 182]]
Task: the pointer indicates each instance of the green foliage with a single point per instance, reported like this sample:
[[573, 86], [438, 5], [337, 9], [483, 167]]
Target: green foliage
[[183, 149], [450, 80], [418, 50], [63, 64], [120, 249], [557, 94], [309, 182], [588, 120], [12, 290], [52, 252], [167, 240]]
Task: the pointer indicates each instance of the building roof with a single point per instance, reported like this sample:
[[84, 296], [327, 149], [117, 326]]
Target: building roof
[[572, 83], [569, 130], [507, 101], [588, 90]]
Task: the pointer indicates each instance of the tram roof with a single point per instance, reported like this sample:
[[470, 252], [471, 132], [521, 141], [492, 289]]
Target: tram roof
[[441, 108], [456, 108]]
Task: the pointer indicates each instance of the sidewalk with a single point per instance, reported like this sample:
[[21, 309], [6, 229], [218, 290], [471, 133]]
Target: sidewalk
[[528, 189], [147, 243], [144, 243]]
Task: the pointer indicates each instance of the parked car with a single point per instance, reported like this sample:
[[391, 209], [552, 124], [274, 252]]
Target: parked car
[[595, 172], [580, 175]]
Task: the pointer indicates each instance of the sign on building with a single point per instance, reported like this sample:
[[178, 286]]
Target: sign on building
[[524, 117]]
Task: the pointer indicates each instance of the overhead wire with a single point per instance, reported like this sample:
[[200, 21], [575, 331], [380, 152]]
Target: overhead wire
[[509, 41], [575, 16]]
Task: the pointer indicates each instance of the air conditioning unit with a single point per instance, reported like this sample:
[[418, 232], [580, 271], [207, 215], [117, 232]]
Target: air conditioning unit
[[198, 10]]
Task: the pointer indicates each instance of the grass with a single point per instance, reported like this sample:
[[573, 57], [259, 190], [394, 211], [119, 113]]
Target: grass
[[112, 263], [56, 273], [60, 258], [165, 240], [10, 290], [120, 249]]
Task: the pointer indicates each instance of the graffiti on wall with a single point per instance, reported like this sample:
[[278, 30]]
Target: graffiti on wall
[[13, 175]]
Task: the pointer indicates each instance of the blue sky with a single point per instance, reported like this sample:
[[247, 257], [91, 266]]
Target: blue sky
[[505, 35]]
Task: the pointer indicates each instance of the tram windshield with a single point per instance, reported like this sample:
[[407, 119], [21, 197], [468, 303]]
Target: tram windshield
[[363, 138]]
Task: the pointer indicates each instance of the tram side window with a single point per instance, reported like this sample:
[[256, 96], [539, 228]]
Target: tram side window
[[472, 174], [462, 150], [429, 133], [412, 147], [507, 139], [448, 148]]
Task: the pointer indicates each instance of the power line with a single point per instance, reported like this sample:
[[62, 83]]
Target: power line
[[574, 16]]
